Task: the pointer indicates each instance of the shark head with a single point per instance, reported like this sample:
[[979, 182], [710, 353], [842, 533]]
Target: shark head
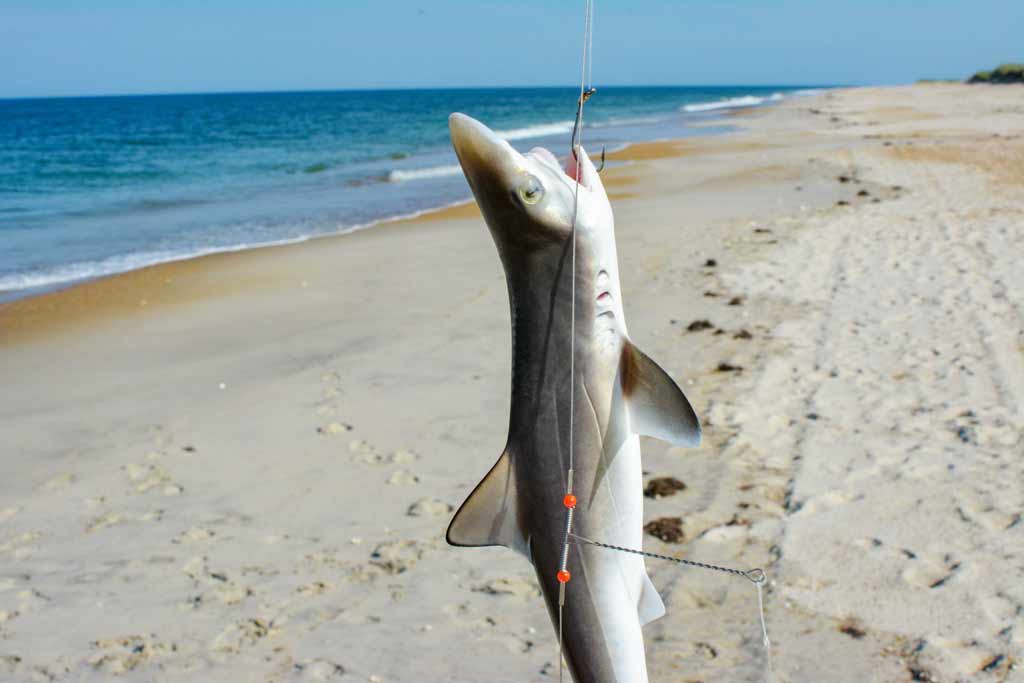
[[529, 200]]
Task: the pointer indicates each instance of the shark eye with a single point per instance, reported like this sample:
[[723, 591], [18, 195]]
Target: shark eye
[[530, 190]]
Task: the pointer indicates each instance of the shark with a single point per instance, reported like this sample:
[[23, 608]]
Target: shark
[[553, 224]]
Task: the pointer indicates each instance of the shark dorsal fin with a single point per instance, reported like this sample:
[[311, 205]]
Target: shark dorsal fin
[[657, 406], [488, 516]]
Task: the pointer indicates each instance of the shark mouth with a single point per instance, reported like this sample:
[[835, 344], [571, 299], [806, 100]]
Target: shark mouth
[[546, 157]]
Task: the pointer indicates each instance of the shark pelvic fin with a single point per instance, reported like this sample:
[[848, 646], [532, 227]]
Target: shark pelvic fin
[[650, 605], [488, 516], [657, 406]]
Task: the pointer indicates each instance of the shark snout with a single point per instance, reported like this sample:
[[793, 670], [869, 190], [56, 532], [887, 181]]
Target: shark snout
[[486, 159]]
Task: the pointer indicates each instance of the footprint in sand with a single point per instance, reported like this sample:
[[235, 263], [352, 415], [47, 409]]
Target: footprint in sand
[[929, 573], [20, 546], [115, 518], [315, 588], [429, 507], [10, 664], [59, 482], [332, 380], [514, 586], [319, 670], [219, 582], [396, 557], [243, 634], [121, 655], [146, 477], [403, 478], [334, 428], [194, 535]]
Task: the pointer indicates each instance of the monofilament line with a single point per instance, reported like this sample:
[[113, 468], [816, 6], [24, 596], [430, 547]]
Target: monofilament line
[[575, 144]]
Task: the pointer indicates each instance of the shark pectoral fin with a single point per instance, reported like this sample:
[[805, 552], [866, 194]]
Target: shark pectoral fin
[[488, 516], [657, 406], [650, 605]]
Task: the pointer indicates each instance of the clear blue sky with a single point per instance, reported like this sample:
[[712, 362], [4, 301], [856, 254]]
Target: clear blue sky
[[64, 47]]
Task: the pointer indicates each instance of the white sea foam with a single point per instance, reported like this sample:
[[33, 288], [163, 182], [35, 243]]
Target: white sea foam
[[731, 103], [402, 175], [538, 131], [89, 270]]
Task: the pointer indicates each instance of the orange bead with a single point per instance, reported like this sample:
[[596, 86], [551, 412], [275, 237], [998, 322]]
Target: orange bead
[[569, 501], [563, 576]]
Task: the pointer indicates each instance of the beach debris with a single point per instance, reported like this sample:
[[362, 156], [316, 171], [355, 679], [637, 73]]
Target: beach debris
[[842, 202], [728, 367], [852, 628], [667, 529], [663, 487], [736, 301], [919, 674], [743, 334], [710, 263], [699, 326], [992, 663]]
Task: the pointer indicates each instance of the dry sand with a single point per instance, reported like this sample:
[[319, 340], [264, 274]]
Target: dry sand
[[241, 467]]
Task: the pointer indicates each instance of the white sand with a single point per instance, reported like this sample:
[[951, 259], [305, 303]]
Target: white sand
[[241, 467]]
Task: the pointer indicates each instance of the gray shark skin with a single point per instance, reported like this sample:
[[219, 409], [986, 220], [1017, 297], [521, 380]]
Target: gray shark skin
[[528, 204]]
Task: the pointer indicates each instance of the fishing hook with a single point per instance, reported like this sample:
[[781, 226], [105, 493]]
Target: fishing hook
[[579, 118]]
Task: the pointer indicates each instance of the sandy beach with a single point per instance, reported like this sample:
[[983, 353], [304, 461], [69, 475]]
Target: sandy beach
[[241, 467]]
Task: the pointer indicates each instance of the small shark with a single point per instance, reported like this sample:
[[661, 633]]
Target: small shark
[[529, 203]]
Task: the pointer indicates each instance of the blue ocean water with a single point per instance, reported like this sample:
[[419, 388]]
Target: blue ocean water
[[99, 185]]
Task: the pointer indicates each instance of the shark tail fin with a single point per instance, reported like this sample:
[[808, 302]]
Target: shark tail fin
[[650, 606], [657, 406], [489, 515]]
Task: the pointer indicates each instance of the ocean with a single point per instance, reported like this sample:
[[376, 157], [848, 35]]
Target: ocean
[[93, 186]]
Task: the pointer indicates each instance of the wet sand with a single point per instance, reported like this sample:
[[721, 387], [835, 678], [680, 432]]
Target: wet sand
[[242, 466]]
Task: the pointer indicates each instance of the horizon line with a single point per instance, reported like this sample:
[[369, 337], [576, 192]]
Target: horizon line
[[188, 93]]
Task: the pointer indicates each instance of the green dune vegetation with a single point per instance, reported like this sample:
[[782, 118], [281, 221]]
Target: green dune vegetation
[[1004, 73]]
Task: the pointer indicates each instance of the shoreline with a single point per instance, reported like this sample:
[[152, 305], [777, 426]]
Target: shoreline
[[141, 290], [704, 120]]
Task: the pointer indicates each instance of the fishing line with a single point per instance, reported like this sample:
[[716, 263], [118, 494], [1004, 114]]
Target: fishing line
[[569, 500], [757, 576]]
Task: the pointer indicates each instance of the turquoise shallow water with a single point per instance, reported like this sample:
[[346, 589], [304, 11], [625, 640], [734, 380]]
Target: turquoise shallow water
[[94, 186]]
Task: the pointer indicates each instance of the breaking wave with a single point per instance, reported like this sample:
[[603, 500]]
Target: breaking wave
[[400, 176], [731, 103], [538, 131]]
